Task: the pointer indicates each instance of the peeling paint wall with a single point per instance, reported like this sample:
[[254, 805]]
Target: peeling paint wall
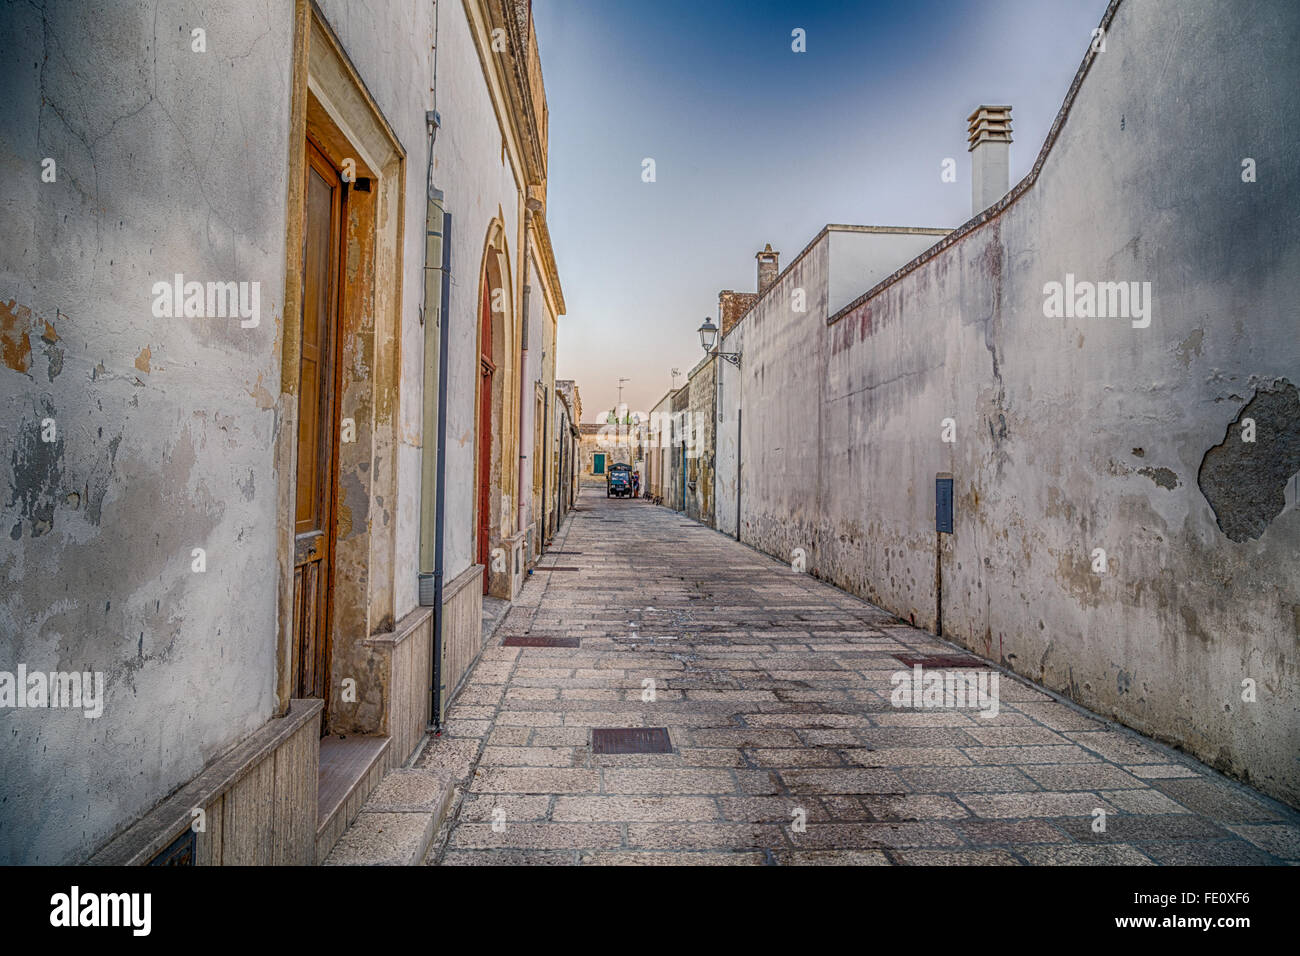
[[162, 429], [1243, 480], [391, 48], [171, 161], [1074, 434]]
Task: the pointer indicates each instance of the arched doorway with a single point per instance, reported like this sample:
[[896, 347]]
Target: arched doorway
[[494, 448], [487, 370]]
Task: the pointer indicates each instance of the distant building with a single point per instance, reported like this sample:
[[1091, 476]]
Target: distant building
[[567, 452], [619, 438]]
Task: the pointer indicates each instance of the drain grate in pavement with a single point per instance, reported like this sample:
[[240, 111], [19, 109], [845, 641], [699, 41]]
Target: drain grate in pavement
[[526, 640], [631, 740], [941, 660], [553, 567], [564, 552]]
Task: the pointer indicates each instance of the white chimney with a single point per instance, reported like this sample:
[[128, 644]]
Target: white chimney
[[989, 129]]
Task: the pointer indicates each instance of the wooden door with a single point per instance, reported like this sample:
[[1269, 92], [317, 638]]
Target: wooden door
[[318, 434], [486, 370]]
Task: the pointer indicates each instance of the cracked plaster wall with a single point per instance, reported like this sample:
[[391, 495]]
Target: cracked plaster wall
[[165, 427], [1076, 434]]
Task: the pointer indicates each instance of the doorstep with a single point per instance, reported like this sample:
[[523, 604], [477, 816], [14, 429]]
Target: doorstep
[[398, 822], [350, 768]]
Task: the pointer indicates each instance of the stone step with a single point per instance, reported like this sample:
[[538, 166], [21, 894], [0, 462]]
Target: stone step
[[350, 770], [398, 821]]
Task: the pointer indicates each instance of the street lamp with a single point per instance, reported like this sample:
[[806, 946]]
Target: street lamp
[[709, 340]]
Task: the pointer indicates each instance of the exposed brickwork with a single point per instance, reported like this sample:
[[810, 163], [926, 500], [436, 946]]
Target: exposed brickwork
[[731, 306]]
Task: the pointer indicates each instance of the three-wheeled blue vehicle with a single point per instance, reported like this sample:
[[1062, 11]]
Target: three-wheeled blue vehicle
[[618, 481]]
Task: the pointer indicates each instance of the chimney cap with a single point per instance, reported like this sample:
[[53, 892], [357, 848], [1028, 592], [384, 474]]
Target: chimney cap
[[766, 251], [989, 124], [989, 109]]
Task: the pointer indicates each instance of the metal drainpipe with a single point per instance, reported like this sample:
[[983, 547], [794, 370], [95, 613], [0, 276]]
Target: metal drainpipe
[[435, 286], [683, 475], [522, 508], [440, 506], [739, 412], [546, 459]]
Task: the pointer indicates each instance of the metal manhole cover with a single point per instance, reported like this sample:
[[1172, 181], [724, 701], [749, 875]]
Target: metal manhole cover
[[941, 660], [631, 740], [526, 640]]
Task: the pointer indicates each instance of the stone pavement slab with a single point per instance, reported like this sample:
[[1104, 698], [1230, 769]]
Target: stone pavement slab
[[397, 822], [787, 747]]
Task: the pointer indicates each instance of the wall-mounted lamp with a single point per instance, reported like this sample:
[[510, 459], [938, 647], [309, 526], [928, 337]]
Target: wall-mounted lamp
[[709, 339]]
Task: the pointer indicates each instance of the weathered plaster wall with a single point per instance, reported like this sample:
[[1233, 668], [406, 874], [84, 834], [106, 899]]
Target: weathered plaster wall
[[547, 440], [618, 443], [1074, 434], [848, 260], [861, 256], [702, 422], [659, 446], [479, 181], [391, 48], [533, 374], [172, 161], [778, 382], [168, 161], [381, 300], [675, 496], [729, 440]]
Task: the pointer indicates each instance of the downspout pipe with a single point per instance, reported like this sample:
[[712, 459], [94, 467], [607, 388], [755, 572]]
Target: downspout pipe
[[524, 483], [437, 576], [435, 340], [433, 464], [440, 507], [433, 468], [525, 400], [546, 460]]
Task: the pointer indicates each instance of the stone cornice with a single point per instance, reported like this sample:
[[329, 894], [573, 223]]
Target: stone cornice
[[520, 68], [551, 275]]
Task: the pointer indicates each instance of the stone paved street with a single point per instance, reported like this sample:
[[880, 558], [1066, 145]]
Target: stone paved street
[[775, 690]]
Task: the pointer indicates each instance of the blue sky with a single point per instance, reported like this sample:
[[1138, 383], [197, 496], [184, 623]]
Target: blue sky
[[754, 143]]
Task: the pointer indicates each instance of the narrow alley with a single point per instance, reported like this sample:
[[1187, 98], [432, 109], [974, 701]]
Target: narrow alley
[[775, 691], [528, 432]]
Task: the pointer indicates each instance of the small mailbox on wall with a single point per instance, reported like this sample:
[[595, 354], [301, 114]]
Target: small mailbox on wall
[[943, 504]]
